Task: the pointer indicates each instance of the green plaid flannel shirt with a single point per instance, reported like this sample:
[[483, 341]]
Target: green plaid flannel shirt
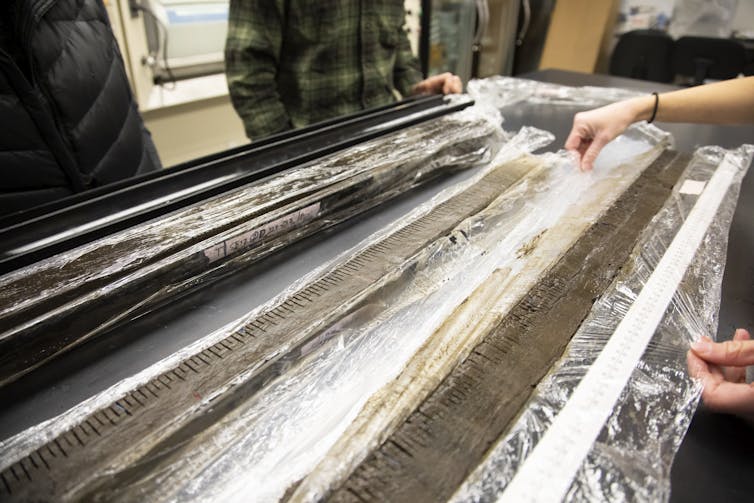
[[290, 63]]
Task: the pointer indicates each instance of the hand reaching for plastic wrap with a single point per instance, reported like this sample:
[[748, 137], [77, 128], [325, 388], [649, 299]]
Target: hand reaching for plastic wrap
[[445, 83], [726, 102], [594, 129], [721, 366]]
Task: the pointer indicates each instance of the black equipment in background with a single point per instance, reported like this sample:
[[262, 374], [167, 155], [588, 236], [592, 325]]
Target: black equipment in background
[[704, 58], [645, 55]]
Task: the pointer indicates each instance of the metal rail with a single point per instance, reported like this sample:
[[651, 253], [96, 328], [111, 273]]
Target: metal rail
[[50, 229]]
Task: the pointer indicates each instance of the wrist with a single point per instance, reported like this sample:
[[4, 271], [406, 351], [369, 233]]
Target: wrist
[[642, 108]]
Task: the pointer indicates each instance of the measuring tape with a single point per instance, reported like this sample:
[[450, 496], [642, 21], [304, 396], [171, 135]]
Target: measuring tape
[[548, 472]]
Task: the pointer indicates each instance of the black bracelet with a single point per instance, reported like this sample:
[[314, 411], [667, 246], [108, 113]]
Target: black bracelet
[[654, 111]]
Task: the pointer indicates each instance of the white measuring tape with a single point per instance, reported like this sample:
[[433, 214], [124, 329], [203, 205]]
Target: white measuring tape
[[548, 472]]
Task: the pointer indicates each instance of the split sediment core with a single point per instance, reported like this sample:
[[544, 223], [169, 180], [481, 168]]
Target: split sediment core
[[430, 454], [151, 440]]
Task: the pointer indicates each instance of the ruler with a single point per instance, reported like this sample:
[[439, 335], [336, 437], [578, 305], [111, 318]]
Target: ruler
[[158, 418], [548, 472]]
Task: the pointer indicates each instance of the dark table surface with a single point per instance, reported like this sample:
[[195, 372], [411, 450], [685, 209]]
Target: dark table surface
[[716, 460]]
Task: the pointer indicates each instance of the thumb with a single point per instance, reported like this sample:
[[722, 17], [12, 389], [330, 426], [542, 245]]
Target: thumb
[[573, 141], [587, 160]]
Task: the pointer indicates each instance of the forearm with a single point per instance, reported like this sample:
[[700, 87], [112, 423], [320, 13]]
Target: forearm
[[727, 102]]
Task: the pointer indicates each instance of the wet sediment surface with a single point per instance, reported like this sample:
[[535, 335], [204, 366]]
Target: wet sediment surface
[[433, 451]]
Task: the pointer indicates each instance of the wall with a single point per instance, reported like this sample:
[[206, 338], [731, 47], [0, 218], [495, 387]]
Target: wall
[[743, 21], [194, 129], [580, 35], [188, 119]]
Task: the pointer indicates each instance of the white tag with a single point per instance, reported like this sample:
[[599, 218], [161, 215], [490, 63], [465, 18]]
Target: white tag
[[693, 187]]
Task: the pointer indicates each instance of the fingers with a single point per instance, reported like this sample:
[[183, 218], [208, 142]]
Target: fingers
[[719, 394], [738, 352], [585, 140], [733, 373], [725, 389], [594, 129], [730, 373], [573, 141], [578, 141], [698, 368], [420, 88], [587, 160], [445, 83], [452, 85], [741, 334], [430, 85]]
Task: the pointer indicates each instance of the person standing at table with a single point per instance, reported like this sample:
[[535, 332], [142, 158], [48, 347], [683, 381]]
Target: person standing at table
[[290, 63], [721, 366]]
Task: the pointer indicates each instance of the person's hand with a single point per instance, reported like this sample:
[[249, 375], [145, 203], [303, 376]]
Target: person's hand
[[722, 369], [594, 129], [445, 83]]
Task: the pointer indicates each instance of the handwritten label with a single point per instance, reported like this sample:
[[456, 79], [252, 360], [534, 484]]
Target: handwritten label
[[252, 237]]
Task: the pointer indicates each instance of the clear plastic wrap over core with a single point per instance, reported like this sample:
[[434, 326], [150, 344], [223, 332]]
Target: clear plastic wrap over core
[[631, 458], [310, 406], [500, 91], [333, 394], [57, 303]]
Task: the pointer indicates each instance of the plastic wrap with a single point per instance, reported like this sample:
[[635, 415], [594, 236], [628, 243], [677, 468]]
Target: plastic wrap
[[129, 273], [631, 458], [499, 92], [270, 441], [518, 247]]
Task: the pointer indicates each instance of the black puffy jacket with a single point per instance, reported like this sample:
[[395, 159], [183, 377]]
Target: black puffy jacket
[[68, 119]]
